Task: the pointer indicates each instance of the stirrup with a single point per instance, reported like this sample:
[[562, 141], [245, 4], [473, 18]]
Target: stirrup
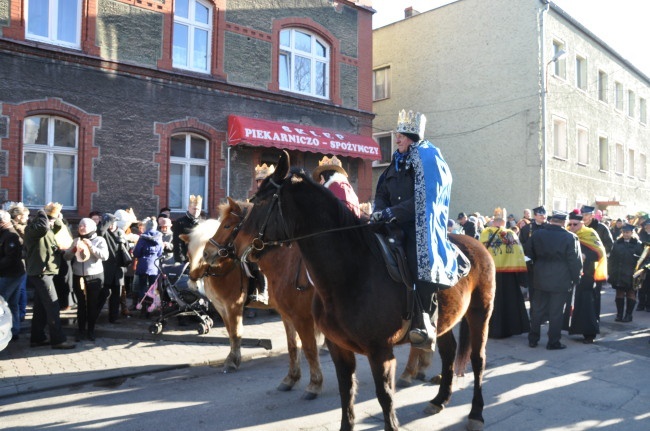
[[261, 298]]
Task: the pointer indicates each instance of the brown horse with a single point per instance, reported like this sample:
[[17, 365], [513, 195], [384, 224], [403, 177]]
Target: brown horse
[[290, 293], [357, 305]]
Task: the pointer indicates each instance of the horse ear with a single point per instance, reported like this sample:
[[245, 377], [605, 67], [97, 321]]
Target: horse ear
[[235, 208], [185, 238], [282, 169]]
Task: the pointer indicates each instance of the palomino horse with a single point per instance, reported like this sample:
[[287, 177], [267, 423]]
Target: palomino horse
[[357, 305], [290, 293]]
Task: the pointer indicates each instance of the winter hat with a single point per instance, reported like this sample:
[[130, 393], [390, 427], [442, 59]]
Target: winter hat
[[150, 224], [89, 224]]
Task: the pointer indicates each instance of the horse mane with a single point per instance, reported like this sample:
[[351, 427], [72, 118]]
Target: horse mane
[[201, 234]]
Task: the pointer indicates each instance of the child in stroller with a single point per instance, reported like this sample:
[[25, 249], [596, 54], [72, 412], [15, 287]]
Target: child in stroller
[[170, 294]]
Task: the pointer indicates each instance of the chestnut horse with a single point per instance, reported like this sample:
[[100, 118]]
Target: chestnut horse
[[357, 305], [226, 285]]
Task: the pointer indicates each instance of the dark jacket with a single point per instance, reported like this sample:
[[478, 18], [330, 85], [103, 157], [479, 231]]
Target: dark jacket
[[604, 233], [182, 225], [556, 258], [395, 190], [622, 261], [528, 231], [470, 229], [11, 253], [148, 248], [42, 253], [114, 266]]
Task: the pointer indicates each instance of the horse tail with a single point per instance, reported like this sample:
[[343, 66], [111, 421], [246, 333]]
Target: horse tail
[[463, 351]]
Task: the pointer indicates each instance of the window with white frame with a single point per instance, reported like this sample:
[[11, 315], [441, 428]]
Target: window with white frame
[[582, 137], [54, 21], [620, 159], [381, 83], [188, 169], [630, 162], [559, 65], [618, 96], [50, 150], [631, 103], [603, 153], [643, 111], [560, 204], [642, 170], [385, 142], [602, 86], [192, 35], [304, 63], [559, 138], [581, 72]]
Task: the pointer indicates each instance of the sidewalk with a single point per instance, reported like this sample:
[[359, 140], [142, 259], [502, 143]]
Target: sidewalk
[[128, 349]]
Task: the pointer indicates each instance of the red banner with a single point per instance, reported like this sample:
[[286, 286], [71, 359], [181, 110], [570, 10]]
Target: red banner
[[251, 131]]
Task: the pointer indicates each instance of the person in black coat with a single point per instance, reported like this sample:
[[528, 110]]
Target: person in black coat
[[184, 225], [556, 256], [525, 234], [114, 266], [468, 226], [620, 267]]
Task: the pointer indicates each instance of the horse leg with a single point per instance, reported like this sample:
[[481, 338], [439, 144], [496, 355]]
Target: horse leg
[[306, 331], [382, 365], [418, 361], [447, 348], [345, 365], [477, 319], [293, 375]]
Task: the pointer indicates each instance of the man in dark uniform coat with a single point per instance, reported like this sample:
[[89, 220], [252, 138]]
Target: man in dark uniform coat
[[468, 226], [526, 233], [556, 255]]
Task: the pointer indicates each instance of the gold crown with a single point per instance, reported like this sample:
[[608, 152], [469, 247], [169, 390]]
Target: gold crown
[[411, 122], [334, 161], [262, 171], [500, 213], [53, 209], [196, 201]]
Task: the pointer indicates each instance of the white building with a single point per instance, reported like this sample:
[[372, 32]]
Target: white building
[[518, 126]]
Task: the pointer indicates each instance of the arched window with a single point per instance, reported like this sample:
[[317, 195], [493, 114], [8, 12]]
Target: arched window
[[50, 161], [192, 35], [188, 170], [304, 63]]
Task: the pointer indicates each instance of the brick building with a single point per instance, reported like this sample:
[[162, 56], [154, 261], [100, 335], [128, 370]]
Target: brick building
[[108, 104]]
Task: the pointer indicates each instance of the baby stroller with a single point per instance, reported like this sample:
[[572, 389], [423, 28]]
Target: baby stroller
[[172, 296]]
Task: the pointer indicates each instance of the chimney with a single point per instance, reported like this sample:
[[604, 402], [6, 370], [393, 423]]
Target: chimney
[[409, 12]]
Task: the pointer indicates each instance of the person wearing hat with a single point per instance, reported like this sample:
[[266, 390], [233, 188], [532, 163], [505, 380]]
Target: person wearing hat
[[469, 226], [622, 263], [42, 260], [526, 232], [585, 317], [262, 171], [332, 176], [19, 216], [509, 316], [556, 255], [591, 221], [87, 254], [414, 189], [147, 250], [184, 225], [617, 228], [12, 269]]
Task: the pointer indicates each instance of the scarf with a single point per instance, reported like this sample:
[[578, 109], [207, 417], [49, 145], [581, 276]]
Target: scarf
[[589, 238], [505, 248], [400, 158], [436, 255]]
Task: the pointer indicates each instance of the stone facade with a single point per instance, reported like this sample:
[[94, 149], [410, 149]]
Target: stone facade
[[477, 71], [127, 99]]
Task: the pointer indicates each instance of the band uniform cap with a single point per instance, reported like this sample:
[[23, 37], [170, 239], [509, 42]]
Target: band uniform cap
[[559, 215], [575, 215], [53, 209], [461, 215], [262, 171], [412, 123], [539, 210], [647, 222], [628, 227], [328, 164], [587, 209]]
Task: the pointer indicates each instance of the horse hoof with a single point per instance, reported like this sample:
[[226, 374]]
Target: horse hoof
[[403, 383], [227, 369], [474, 425], [283, 387], [432, 409], [309, 396], [420, 376], [435, 380]]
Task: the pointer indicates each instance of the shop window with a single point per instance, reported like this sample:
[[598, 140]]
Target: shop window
[[50, 153], [192, 35], [188, 170], [304, 63], [54, 21]]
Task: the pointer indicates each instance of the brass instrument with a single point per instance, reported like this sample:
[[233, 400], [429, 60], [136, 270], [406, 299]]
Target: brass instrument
[[639, 270]]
